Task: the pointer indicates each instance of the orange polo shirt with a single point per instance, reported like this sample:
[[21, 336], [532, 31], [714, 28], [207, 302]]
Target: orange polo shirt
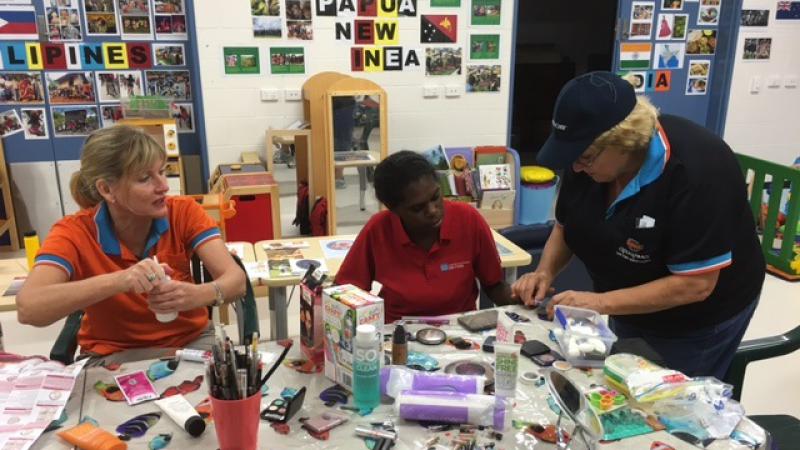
[[84, 245]]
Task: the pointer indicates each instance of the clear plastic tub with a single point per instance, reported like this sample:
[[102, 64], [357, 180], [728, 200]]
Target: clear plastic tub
[[586, 340]]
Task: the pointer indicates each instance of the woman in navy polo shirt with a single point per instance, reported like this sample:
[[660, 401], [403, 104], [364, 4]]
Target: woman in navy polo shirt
[[656, 208], [425, 252]]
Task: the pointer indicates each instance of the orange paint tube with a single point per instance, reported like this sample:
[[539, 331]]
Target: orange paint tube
[[88, 437]]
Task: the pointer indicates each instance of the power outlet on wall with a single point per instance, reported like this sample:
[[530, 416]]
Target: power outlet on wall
[[293, 94], [430, 91], [452, 90], [270, 95]]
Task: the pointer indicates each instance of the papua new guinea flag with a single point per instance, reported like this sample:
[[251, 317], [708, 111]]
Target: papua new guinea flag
[[438, 29], [18, 22]]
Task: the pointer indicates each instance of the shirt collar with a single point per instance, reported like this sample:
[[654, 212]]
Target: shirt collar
[[653, 166], [108, 240]]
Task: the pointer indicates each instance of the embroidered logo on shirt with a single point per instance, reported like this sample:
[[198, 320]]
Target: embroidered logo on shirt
[[632, 251], [454, 266]]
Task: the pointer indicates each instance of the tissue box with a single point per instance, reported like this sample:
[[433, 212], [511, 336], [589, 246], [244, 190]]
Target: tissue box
[[344, 308]]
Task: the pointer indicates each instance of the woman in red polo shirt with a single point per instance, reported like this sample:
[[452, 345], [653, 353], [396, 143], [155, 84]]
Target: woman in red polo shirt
[[425, 252], [105, 258]]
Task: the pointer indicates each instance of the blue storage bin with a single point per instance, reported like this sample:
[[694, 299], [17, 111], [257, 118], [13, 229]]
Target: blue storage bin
[[536, 202]]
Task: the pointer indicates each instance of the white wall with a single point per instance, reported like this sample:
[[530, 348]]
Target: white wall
[[236, 119], [765, 124]]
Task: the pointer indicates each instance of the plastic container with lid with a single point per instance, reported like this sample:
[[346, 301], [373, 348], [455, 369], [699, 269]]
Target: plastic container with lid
[[586, 340], [537, 193]]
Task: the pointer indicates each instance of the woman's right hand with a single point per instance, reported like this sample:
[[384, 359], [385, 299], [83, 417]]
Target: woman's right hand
[[141, 277], [532, 287]]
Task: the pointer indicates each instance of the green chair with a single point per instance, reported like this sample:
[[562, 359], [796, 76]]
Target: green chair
[[784, 429], [66, 344]]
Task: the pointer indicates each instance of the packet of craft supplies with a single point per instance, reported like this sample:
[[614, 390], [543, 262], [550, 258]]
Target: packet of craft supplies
[[136, 387], [642, 380], [395, 379], [454, 407]]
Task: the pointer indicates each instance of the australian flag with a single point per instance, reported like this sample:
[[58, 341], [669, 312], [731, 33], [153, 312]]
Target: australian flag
[[438, 29]]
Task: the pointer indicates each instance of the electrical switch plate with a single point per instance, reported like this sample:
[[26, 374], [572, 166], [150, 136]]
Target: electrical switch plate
[[452, 90], [430, 91], [755, 85], [790, 81], [269, 95], [774, 81], [293, 94]]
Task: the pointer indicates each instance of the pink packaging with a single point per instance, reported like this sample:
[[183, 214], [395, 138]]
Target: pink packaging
[[136, 387]]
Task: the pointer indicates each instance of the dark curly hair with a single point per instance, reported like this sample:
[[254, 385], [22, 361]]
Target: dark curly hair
[[395, 173]]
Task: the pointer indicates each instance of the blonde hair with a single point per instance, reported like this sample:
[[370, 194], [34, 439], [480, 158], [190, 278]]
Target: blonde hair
[[110, 154], [634, 132]]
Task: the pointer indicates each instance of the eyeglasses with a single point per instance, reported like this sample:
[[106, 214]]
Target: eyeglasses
[[588, 161]]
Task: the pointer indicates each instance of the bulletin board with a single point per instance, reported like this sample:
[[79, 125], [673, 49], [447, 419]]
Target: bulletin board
[[670, 48], [67, 66]]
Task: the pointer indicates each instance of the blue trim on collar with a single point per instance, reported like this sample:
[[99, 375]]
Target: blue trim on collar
[[108, 239], [105, 231], [157, 229], [652, 168]]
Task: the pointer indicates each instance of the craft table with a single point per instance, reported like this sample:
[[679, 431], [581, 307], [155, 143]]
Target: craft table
[[10, 269], [511, 257], [531, 404]]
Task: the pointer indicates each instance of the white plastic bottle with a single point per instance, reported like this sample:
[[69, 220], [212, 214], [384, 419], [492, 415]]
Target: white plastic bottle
[[367, 367]]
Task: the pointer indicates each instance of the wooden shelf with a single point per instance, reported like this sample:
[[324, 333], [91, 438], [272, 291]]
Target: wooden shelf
[[8, 224]]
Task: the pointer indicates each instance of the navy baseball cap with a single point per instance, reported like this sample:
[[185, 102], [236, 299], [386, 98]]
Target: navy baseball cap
[[586, 107]]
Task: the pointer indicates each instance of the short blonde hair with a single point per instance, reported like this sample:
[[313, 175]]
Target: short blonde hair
[[110, 154], [634, 132]]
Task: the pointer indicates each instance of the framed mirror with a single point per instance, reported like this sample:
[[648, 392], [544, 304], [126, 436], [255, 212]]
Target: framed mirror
[[572, 404], [357, 139]]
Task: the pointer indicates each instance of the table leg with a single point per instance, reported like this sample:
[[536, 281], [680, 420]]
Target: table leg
[[511, 275], [277, 313], [362, 186]]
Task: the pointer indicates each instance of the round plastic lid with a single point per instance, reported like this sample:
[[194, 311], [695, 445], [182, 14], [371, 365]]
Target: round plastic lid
[[195, 425], [536, 174], [366, 333]]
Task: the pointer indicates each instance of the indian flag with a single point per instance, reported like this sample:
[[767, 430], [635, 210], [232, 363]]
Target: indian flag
[[634, 56]]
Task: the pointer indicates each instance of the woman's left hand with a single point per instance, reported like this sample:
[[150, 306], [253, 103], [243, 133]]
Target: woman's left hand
[[172, 295], [578, 299]]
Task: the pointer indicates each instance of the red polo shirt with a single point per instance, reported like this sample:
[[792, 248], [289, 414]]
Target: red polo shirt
[[84, 245], [419, 282]]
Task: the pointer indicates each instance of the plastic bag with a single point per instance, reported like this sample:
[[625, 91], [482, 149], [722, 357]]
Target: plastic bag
[[641, 379]]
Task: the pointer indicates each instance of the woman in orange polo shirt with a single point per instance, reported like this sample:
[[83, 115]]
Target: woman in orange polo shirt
[[125, 256]]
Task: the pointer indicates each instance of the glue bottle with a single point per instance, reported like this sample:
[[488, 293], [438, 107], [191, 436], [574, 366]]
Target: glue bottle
[[31, 240], [367, 368]]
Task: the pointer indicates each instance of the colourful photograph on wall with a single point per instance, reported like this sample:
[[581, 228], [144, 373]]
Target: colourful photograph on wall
[[287, 60], [111, 114], [10, 123], [168, 55], [169, 6], [265, 7], [443, 61], [485, 12], [118, 85], [21, 88], [70, 121], [174, 84], [445, 3], [484, 46], [669, 56], [701, 42], [63, 23], [673, 5], [183, 113], [34, 122], [481, 78], [241, 60], [757, 48], [70, 88]]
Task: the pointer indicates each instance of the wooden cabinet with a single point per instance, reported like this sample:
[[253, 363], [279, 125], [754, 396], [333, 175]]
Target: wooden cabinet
[[165, 132]]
